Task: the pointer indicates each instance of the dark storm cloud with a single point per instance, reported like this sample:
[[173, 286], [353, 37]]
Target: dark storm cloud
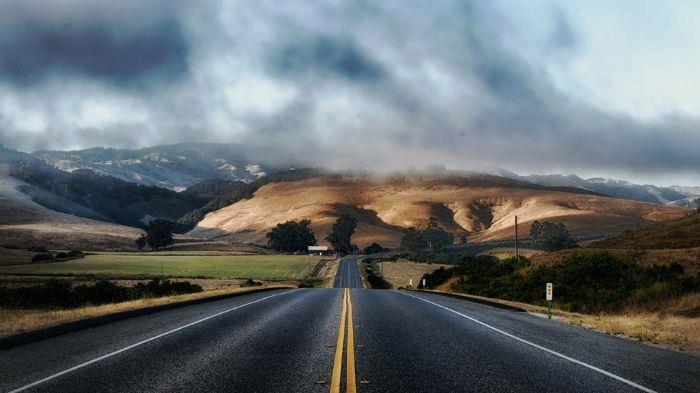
[[380, 85], [98, 44], [327, 56]]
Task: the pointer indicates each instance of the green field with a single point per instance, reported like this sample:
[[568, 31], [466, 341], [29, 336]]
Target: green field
[[175, 264]]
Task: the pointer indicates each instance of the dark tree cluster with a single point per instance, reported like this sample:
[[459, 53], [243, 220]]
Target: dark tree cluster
[[433, 237], [291, 236], [341, 234], [374, 248], [58, 294], [553, 236], [159, 233]]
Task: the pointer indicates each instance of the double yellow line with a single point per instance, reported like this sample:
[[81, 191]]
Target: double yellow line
[[346, 316]]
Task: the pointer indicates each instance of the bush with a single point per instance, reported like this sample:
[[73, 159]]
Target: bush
[[58, 294], [305, 284], [46, 256], [37, 249], [584, 282], [251, 283], [61, 255]]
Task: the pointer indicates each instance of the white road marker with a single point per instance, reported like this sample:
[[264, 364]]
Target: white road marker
[[132, 346], [594, 368]]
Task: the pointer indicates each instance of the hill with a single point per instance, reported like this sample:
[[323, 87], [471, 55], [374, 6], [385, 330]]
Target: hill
[[96, 196], [172, 166], [25, 223], [481, 206], [615, 188], [683, 232]]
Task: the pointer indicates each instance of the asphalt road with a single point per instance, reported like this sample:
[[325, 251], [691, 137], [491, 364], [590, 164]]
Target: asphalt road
[[348, 275], [286, 341]]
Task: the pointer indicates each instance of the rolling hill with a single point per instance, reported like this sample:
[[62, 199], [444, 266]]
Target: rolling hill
[[481, 206], [173, 166], [25, 223], [683, 232]]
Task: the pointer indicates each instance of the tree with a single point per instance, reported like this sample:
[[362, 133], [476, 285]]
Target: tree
[[159, 233], [437, 238], [341, 233], [432, 222], [412, 240], [141, 242], [291, 236], [553, 236], [374, 248]]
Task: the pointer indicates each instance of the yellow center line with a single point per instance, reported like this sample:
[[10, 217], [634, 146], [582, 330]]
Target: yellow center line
[[338, 361], [350, 359]]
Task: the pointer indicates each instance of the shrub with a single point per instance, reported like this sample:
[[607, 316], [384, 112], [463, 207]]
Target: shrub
[[45, 256], [60, 294], [251, 283], [586, 282], [37, 249], [61, 255]]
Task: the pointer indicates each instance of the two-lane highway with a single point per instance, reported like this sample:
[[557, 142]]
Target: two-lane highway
[[390, 341], [348, 275]]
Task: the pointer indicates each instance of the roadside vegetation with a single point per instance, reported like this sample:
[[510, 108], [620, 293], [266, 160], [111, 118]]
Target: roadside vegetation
[[583, 282], [15, 320], [371, 272], [60, 294]]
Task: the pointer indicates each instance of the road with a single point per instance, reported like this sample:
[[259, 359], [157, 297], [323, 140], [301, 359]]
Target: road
[[290, 341], [348, 275]]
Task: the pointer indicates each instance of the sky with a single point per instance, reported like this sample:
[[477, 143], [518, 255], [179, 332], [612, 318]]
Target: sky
[[593, 87]]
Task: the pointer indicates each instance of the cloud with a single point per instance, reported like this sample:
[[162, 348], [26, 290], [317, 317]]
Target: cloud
[[39, 41], [326, 56], [382, 85]]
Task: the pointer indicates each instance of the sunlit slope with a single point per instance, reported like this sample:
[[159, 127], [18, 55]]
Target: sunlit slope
[[482, 207]]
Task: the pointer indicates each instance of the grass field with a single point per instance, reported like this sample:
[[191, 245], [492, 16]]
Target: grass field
[[175, 264]]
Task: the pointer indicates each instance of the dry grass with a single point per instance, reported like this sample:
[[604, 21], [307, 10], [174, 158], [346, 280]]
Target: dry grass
[[328, 271], [676, 325], [398, 273], [18, 321], [689, 258], [10, 256], [483, 206], [679, 233]]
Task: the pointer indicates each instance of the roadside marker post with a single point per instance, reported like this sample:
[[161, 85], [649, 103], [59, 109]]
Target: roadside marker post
[[424, 283], [410, 283], [549, 300]]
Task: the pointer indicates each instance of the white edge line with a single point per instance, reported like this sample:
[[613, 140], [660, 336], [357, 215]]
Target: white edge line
[[103, 357], [594, 368]]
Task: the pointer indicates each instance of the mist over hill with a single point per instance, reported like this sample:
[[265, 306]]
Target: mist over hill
[[171, 166]]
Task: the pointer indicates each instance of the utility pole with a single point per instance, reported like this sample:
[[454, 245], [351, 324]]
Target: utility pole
[[517, 254]]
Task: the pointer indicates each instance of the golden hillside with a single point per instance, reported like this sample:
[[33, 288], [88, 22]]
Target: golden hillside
[[481, 206]]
